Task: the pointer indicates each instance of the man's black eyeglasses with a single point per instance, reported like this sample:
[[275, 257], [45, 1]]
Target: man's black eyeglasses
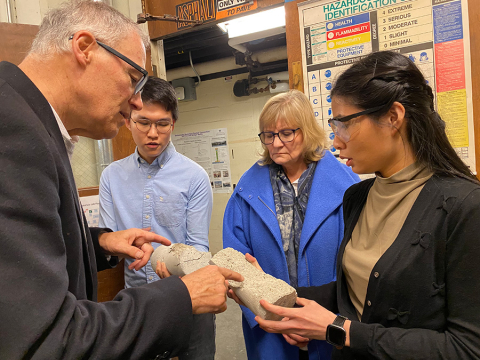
[[140, 83]]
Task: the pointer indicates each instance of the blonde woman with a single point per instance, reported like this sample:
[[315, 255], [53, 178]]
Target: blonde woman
[[286, 211]]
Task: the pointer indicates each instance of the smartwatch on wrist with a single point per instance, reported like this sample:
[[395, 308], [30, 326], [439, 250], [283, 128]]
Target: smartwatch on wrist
[[336, 334]]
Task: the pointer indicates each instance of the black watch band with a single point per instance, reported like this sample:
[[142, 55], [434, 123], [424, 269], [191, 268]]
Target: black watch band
[[336, 334], [339, 321]]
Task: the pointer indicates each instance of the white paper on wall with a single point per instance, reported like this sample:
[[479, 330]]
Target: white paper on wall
[[209, 149], [91, 205]]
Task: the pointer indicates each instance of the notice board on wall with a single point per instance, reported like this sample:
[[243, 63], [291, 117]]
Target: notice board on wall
[[209, 10], [434, 34], [209, 149]]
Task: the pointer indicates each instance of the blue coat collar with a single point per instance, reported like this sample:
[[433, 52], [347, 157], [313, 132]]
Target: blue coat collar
[[255, 188], [330, 181]]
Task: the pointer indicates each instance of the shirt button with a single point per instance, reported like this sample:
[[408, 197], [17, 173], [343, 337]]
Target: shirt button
[[148, 196], [369, 303], [150, 277], [161, 166], [250, 196], [146, 216], [165, 355], [376, 274], [161, 198], [149, 176]]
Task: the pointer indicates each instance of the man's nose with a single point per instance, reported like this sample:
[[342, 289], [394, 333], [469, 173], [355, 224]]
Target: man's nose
[[153, 132], [136, 101]]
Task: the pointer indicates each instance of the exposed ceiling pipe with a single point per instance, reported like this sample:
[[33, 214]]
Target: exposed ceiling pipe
[[237, 42], [8, 10], [237, 45], [195, 71], [225, 64]]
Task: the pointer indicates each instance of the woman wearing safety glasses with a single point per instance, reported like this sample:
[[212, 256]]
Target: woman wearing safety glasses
[[287, 212], [408, 268]]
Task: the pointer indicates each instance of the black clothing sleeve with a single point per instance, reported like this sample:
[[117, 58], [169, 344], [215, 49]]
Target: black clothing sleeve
[[101, 259], [325, 295]]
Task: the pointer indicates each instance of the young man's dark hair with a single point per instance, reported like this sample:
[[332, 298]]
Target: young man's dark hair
[[159, 91]]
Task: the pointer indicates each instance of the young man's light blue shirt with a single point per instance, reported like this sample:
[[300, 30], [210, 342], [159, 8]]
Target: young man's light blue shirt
[[172, 196]]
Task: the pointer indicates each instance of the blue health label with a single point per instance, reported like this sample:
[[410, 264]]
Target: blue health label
[[447, 22], [349, 21]]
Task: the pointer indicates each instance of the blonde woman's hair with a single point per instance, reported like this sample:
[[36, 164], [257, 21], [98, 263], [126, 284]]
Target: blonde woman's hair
[[104, 22], [296, 111]]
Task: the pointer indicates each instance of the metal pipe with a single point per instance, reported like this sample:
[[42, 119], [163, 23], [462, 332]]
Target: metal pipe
[[8, 8], [225, 64], [103, 155]]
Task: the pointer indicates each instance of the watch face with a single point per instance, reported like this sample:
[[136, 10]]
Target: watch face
[[336, 335]]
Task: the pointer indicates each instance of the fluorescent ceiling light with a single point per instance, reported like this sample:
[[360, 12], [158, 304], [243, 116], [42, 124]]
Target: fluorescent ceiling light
[[261, 21]]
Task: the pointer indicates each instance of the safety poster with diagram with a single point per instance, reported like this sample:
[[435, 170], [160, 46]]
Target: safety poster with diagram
[[209, 149], [434, 34], [91, 207]]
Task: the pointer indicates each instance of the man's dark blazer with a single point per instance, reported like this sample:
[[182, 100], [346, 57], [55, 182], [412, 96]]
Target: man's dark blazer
[[49, 261]]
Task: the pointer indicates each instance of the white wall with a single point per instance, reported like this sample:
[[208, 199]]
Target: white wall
[[84, 163], [217, 107], [32, 11], [29, 11]]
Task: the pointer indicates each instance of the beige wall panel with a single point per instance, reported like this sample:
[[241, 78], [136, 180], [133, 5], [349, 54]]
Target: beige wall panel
[[217, 107]]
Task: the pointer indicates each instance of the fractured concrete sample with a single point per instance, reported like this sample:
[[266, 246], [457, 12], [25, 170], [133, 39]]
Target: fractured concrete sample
[[256, 285], [180, 259]]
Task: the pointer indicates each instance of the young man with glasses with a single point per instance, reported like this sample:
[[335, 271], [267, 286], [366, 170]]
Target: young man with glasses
[[160, 189]]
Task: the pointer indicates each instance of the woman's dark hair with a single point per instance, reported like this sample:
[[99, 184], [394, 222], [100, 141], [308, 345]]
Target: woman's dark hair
[[385, 77], [161, 92]]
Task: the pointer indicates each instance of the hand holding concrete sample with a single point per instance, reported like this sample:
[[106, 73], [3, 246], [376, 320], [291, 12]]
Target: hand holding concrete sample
[[205, 284], [256, 285], [208, 290], [180, 259]]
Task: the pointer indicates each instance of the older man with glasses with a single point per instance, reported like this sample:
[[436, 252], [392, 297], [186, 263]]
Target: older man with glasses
[[81, 77], [166, 192]]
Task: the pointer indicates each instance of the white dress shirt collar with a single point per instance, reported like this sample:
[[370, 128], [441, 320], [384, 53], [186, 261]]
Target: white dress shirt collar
[[69, 141]]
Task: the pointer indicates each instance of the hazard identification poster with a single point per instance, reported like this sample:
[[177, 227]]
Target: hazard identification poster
[[432, 33]]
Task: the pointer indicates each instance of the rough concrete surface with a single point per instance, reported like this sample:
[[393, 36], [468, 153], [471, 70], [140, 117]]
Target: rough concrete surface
[[180, 259], [257, 285]]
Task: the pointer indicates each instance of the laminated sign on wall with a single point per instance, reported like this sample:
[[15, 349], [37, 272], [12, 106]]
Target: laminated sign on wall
[[209, 149], [211, 10], [432, 33], [91, 205]]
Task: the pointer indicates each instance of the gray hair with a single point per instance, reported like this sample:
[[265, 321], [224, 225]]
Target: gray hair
[[104, 22]]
